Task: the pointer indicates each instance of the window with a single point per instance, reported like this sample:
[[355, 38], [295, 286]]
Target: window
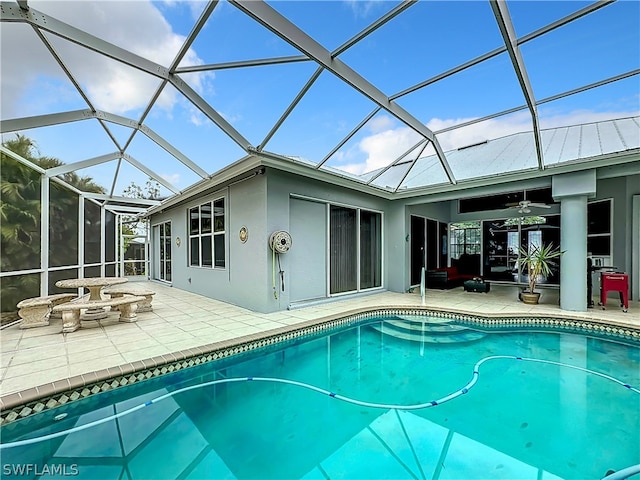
[[504, 200], [370, 249], [465, 239], [206, 235], [599, 228], [503, 239]]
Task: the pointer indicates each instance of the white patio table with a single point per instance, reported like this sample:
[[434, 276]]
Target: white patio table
[[94, 285]]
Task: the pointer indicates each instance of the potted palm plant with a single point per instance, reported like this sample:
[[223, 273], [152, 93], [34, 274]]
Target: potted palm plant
[[538, 262]]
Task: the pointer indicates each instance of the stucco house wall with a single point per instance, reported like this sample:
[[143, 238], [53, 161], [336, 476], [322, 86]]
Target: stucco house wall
[[285, 187], [242, 281], [262, 205], [281, 200]]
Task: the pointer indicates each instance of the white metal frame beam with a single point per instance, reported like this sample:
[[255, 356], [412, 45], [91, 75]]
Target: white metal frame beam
[[12, 13], [394, 12], [291, 106], [150, 173], [261, 12], [345, 46], [487, 56], [348, 136], [46, 120], [120, 199], [125, 209], [397, 161], [543, 101], [243, 64], [501, 12], [24, 123], [90, 162], [292, 34], [210, 113]]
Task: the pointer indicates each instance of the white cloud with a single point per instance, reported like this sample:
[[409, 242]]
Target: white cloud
[[363, 8], [110, 85], [196, 117], [577, 117], [380, 123], [195, 6], [386, 146], [479, 132], [172, 178]]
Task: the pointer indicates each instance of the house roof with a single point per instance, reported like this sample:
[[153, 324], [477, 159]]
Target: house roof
[[391, 93], [563, 145]]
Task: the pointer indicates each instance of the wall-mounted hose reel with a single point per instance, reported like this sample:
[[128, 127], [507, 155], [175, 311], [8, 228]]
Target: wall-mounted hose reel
[[279, 242]]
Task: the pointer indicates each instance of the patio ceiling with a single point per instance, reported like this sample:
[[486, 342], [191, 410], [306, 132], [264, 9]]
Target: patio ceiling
[[177, 91]]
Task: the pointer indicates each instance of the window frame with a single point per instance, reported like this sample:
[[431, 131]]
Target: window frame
[[213, 232], [469, 242], [606, 235]]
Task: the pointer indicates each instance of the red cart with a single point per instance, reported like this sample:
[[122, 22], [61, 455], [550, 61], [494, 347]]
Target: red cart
[[614, 282]]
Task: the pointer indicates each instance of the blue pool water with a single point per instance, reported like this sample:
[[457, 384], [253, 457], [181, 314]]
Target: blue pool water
[[563, 411]]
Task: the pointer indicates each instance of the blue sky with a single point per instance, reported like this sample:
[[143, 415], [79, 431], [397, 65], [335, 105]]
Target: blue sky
[[425, 40]]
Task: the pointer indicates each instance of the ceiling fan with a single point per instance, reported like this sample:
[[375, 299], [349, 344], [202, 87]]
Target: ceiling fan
[[524, 206]]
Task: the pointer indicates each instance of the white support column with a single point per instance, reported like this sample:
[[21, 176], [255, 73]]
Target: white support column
[[103, 233], [635, 249], [44, 235], [572, 191], [147, 249], [573, 241], [120, 246], [80, 236], [358, 249]]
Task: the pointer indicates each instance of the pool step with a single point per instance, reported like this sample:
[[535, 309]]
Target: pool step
[[442, 331], [413, 326]]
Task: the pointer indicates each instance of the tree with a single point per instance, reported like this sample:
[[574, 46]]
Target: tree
[[132, 226], [19, 210], [152, 190]]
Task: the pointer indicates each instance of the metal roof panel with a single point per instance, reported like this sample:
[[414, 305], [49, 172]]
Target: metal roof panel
[[517, 152], [553, 143], [610, 138], [629, 129], [590, 141]]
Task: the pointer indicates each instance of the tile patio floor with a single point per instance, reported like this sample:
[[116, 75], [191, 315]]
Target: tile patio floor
[[182, 320]]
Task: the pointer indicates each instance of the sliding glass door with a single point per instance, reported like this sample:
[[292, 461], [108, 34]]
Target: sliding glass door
[[504, 239], [355, 249], [418, 250], [428, 246]]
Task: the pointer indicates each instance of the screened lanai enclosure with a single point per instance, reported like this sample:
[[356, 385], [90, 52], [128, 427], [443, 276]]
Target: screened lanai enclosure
[[113, 112], [52, 231]]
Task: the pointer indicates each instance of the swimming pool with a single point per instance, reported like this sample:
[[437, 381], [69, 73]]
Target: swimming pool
[[541, 405]]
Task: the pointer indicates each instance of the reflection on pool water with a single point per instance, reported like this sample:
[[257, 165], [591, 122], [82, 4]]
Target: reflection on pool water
[[522, 419]]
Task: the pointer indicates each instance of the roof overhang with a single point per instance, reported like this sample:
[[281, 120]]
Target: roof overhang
[[608, 166]]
